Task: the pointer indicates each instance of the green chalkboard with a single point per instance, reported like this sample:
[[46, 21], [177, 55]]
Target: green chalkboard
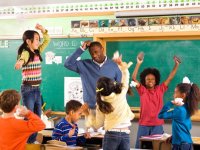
[[52, 86], [159, 54], [9, 78]]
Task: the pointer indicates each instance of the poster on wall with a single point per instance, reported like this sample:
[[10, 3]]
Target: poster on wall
[[73, 89]]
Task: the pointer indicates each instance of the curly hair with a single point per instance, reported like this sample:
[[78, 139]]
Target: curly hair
[[148, 71]]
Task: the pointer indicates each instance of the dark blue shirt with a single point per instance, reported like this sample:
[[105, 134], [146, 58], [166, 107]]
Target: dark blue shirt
[[61, 131]]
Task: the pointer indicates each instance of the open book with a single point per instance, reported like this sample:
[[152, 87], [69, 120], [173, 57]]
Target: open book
[[156, 136], [93, 133]]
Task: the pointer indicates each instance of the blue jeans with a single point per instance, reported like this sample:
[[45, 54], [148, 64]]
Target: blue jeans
[[147, 130], [182, 146], [116, 141], [31, 98]]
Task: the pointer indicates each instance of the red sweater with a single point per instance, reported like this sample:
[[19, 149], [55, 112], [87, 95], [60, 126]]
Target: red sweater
[[151, 102], [15, 132]]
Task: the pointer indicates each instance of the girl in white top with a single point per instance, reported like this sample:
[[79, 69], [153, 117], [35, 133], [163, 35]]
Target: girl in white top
[[113, 111]]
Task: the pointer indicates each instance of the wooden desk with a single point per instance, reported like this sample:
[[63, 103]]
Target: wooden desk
[[155, 144], [51, 147], [34, 146], [196, 143], [95, 141], [196, 140], [160, 144], [46, 133], [196, 117], [59, 147]]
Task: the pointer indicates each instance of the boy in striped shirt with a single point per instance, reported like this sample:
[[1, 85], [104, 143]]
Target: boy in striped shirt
[[67, 130]]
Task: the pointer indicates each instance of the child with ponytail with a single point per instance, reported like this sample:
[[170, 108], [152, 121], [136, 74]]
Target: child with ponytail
[[29, 61], [186, 99], [113, 111]]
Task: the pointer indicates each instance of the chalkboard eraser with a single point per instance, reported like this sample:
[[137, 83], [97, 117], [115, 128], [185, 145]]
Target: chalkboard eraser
[[140, 56], [177, 58]]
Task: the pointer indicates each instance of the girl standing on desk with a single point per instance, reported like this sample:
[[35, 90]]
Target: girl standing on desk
[[113, 111], [186, 99], [151, 97], [29, 60]]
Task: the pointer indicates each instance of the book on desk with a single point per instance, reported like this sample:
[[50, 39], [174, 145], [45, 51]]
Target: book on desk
[[157, 141]]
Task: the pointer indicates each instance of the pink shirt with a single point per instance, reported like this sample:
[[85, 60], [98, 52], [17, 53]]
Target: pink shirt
[[151, 102]]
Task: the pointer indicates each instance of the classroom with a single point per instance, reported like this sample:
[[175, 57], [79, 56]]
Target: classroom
[[160, 37]]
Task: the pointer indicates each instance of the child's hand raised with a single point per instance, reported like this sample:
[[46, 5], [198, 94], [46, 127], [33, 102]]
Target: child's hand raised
[[40, 27], [117, 58], [140, 57], [177, 60]]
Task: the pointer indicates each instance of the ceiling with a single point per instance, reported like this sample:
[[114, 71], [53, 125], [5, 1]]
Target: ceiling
[[5, 3]]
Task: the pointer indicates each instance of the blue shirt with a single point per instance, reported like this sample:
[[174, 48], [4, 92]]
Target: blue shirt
[[181, 122], [90, 72], [61, 131]]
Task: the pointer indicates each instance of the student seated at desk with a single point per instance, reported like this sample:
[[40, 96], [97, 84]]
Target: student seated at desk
[[15, 132], [67, 130]]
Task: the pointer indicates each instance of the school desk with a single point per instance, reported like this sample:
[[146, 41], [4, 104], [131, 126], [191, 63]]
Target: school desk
[[46, 135], [196, 143], [160, 144], [51, 147], [155, 143], [95, 141]]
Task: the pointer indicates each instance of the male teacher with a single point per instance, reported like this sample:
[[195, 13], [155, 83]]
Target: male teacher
[[90, 70]]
